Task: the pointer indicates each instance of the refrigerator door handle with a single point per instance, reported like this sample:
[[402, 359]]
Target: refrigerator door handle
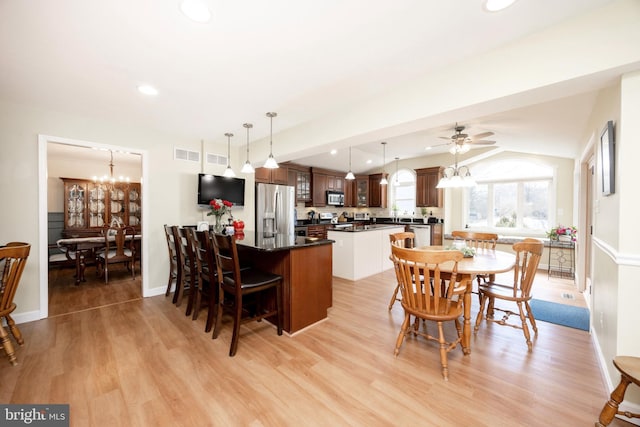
[[275, 210]]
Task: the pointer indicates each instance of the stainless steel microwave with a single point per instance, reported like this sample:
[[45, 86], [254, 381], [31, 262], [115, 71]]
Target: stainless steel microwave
[[335, 198]]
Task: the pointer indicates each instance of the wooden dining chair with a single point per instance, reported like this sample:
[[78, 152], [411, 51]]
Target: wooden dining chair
[[119, 248], [440, 304], [236, 288], [173, 258], [186, 267], [528, 254], [629, 368], [403, 240], [13, 258], [205, 271], [478, 241]]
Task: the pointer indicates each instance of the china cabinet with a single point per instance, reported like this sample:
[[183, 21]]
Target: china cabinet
[[88, 206]]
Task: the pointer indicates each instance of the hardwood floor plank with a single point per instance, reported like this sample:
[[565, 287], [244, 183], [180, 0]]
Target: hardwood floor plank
[[144, 363]]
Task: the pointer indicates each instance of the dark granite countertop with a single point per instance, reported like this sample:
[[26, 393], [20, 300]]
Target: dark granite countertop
[[278, 242]]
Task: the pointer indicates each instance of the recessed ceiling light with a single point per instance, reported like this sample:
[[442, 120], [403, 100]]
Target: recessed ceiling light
[[334, 152], [497, 5], [196, 10], [369, 161], [428, 148], [147, 90]]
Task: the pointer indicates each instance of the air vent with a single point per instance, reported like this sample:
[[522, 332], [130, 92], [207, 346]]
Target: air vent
[[182, 154], [216, 159]]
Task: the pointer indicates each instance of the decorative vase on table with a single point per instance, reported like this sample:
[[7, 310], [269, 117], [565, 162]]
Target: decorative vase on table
[[218, 226], [218, 208]]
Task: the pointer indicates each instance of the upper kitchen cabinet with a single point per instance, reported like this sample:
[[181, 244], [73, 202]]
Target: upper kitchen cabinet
[[377, 192], [362, 191], [319, 182], [278, 175], [427, 195], [350, 200], [300, 179]]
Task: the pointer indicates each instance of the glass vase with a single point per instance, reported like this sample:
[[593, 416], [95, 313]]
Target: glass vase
[[218, 226]]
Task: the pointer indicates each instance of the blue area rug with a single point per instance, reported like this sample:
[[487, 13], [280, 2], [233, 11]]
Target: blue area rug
[[560, 314]]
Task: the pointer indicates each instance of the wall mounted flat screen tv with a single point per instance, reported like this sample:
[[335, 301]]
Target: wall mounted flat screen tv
[[220, 187]]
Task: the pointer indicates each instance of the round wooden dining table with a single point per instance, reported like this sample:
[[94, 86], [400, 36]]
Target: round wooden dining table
[[485, 261]]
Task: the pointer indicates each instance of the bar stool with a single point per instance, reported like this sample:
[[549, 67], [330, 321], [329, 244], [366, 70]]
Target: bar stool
[[629, 368]]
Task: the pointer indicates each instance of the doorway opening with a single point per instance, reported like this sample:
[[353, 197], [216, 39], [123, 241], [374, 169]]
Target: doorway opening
[[83, 160]]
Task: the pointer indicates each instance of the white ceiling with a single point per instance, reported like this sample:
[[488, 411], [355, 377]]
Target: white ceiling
[[301, 58]]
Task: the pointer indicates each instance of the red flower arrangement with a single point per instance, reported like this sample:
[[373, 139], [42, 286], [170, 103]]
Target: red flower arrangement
[[219, 208]]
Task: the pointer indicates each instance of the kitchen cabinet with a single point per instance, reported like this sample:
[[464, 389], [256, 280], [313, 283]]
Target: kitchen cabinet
[[301, 181], [349, 194], [335, 183], [427, 195], [362, 191], [88, 206], [436, 234], [278, 175], [317, 230], [318, 189], [377, 192]]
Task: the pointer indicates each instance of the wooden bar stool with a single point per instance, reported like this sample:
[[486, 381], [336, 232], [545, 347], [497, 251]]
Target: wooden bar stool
[[629, 368]]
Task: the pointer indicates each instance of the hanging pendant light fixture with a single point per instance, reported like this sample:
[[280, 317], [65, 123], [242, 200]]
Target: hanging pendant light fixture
[[397, 180], [384, 181], [456, 177], [247, 168], [271, 161], [350, 175], [228, 172]]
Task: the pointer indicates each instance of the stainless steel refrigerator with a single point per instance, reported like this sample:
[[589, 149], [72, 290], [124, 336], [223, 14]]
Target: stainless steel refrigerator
[[275, 209]]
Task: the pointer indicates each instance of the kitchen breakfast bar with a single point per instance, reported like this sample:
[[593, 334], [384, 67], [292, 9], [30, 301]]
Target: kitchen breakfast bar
[[305, 264]]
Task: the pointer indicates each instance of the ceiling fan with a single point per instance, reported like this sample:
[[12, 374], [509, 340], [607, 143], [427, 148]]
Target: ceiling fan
[[462, 141]]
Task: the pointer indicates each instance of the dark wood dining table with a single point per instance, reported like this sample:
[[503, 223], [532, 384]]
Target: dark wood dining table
[[485, 261], [79, 247]]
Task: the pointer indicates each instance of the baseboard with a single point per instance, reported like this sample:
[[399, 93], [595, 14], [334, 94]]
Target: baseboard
[[29, 316], [154, 292]]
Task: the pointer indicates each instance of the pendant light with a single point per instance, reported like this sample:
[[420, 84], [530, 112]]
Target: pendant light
[[271, 161], [247, 168], [397, 180], [384, 181], [350, 175], [228, 172]]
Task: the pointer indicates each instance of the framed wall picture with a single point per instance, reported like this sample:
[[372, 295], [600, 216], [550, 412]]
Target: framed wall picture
[[607, 150]]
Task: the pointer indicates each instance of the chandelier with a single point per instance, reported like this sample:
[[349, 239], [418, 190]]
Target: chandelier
[[456, 176], [109, 181]]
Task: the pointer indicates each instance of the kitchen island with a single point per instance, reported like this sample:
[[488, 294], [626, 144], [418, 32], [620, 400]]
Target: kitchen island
[[362, 251], [305, 265]]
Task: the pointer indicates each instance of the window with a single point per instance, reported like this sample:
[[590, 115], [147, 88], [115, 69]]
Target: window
[[511, 196], [403, 192]]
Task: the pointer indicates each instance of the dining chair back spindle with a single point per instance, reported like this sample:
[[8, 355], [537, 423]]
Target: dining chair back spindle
[[13, 258], [429, 295], [528, 254], [237, 287]]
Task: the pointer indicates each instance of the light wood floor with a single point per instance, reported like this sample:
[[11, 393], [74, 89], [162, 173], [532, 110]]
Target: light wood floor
[[144, 363]]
